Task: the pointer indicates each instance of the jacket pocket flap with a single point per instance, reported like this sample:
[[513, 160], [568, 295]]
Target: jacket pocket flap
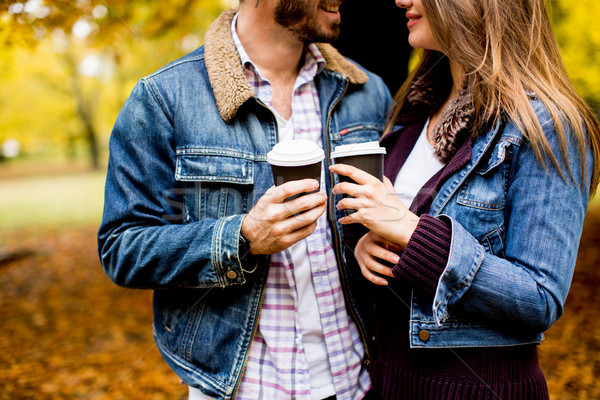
[[214, 166], [501, 152]]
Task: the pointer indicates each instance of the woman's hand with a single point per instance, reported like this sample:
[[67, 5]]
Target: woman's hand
[[377, 205], [371, 250]]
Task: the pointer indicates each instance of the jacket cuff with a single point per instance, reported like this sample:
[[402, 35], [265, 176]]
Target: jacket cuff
[[425, 257], [225, 251]]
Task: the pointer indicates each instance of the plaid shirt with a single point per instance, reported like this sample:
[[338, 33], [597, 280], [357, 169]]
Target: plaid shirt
[[277, 367]]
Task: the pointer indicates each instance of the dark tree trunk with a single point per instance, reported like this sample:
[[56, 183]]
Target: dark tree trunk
[[84, 109]]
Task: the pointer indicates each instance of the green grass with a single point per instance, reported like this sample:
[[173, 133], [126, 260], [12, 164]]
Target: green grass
[[61, 199], [55, 200]]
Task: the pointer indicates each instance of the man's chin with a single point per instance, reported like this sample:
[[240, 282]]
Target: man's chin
[[320, 36]]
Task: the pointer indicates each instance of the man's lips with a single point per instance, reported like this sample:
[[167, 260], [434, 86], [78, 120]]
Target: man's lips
[[330, 6], [331, 9]]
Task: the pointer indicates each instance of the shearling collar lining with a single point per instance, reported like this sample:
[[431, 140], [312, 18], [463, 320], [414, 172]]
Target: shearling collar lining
[[226, 75], [428, 92]]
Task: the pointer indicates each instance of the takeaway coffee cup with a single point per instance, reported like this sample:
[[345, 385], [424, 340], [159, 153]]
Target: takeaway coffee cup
[[367, 156], [294, 160]]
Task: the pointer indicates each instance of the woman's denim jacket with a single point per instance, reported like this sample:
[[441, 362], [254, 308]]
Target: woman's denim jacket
[[516, 226], [187, 162]]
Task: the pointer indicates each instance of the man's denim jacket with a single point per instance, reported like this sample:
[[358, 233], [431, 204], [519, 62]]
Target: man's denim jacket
[[187, 162]]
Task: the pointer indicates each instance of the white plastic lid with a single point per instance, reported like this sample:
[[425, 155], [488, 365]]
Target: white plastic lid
[[292, 153], [358, 149]]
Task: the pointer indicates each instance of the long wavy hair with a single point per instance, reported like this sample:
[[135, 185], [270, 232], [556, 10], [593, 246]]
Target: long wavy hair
[[507, 48]]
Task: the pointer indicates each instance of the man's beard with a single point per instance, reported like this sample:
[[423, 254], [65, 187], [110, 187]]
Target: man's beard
[[301, 19]]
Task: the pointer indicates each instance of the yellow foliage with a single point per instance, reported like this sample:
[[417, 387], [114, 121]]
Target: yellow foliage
[[578, 32], [58, 87]]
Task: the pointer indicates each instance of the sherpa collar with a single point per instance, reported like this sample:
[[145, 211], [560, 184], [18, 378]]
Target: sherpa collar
[[427, 93], [226, 75]]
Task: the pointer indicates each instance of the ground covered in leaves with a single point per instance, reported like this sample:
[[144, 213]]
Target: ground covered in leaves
[[68, 333]]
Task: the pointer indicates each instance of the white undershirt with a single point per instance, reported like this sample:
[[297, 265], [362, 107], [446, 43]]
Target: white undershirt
[[419, 167], [321, 380], [285, 127]]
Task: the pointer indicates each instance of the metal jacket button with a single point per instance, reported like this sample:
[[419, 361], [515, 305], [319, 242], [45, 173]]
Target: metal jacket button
[[424, 335], [232, 275]]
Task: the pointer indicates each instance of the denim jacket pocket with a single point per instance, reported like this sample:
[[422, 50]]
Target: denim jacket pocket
[[493, 242], [217, 182], [486, 187], [356, 133]]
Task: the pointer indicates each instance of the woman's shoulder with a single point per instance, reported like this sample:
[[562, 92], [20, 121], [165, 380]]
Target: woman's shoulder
[[542, 113], [541, 110]]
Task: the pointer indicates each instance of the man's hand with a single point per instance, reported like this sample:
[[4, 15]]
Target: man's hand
[[273, 225]]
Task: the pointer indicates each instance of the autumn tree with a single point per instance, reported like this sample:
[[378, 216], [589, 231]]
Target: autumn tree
[[66, 66], [91, 51], [578, 34]]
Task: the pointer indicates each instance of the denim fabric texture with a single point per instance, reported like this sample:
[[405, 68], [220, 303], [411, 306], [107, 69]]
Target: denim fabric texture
[[181, 178], [516, 225]]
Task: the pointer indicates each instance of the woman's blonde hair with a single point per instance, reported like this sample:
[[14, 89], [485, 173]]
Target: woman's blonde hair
[[507, 48]]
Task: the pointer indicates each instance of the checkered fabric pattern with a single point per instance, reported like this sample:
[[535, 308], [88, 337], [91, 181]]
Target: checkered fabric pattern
[[277, 367]]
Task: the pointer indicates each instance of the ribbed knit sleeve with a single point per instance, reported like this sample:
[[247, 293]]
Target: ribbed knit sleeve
[[426, 255]]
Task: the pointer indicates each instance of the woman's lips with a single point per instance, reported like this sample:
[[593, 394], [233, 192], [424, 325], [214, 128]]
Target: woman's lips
[[412, 19]]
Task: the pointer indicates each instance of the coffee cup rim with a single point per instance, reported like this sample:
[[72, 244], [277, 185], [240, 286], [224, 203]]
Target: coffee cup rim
[[358, 149], [310, 153]]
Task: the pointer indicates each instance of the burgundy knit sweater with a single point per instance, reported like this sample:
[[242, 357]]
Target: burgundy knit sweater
[[399, 372]]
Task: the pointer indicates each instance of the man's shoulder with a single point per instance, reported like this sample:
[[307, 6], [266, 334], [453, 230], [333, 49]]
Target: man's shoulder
[[373, 77], [186, 66]]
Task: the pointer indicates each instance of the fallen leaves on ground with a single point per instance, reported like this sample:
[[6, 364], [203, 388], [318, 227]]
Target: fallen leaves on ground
[[570, 355], [69, 333]]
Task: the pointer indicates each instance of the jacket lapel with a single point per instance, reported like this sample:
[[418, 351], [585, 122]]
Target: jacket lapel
[[480, 146]]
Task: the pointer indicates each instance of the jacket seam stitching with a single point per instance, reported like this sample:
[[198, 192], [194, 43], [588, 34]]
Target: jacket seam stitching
[[207, 152], [158, 101], [173, 65]]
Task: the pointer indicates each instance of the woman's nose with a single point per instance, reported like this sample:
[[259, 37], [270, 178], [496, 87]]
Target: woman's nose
[[403, 3]]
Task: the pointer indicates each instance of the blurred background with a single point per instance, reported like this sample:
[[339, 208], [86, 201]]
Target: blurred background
[[66, 67]]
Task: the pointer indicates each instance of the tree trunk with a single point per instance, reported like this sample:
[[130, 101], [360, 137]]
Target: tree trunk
[[84, 110]]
